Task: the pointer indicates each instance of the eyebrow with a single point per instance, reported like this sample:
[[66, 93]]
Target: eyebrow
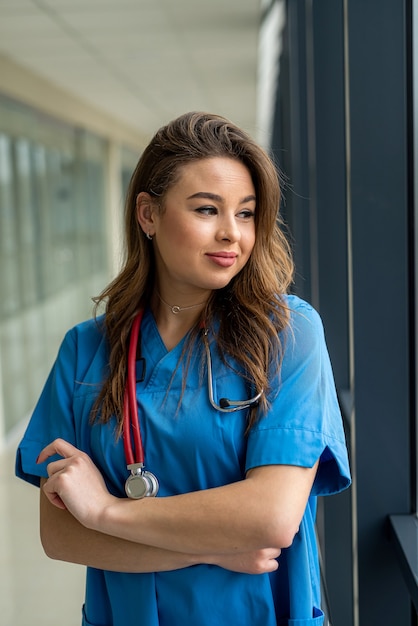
[[216, 198]]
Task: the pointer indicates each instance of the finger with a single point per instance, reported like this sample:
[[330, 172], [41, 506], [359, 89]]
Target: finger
[[273, 565], [56, 466], [59, 446], [52, 495]]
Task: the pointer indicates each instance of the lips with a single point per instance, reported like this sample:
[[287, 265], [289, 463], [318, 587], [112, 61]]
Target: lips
[[223, 259]]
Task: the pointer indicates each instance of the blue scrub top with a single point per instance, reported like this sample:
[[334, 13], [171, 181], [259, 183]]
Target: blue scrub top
[[195, 447]]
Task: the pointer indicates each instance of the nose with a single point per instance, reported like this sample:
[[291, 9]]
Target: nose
[[228, 230]]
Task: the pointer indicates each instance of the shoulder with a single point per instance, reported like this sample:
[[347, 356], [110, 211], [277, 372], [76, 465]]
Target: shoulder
[[303, 341], [91, 331], [304, 323], [297, 306], [83, 345]]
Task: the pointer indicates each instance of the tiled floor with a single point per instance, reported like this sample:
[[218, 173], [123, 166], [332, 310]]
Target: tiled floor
[[34, 591]]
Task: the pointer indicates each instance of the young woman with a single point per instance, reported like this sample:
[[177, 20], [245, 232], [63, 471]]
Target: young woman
[[238, 417]]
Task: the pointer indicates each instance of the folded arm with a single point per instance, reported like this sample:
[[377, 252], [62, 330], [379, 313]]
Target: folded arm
[[65, 539], [262, 511]]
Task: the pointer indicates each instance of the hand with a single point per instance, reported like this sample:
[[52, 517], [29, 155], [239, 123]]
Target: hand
[[256, 562], [74, 483]]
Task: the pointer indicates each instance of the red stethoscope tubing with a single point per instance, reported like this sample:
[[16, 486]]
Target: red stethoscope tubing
[[131, 424], [130, 406]]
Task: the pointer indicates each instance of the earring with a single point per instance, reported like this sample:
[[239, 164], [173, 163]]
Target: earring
[[148, 236]]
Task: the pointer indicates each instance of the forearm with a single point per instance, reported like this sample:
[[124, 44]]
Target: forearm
[[200, 522], [264, 510], [65, 539]]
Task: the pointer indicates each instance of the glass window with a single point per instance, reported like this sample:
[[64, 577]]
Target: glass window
[[9, 278], [52, 244], [43, 210], [27, 222], [90, 209], [60, 172]]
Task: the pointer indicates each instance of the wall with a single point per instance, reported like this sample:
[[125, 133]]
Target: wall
[[63, 167], [342, 136]]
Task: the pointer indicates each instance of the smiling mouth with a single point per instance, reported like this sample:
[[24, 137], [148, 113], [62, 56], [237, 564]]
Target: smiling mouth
[[223, 259]]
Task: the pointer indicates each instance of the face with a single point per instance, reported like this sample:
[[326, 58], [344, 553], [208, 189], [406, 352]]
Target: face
[[206, 231]]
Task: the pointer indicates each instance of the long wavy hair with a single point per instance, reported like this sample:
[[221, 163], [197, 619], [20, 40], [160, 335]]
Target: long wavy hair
[[250, 311]]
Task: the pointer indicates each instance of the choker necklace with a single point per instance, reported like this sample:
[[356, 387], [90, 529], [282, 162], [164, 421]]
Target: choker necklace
[[178, 309]]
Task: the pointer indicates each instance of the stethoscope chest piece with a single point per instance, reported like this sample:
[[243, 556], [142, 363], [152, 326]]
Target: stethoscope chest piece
[[141, 483]]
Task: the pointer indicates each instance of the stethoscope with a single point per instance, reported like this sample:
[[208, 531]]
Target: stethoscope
[[141, 483]]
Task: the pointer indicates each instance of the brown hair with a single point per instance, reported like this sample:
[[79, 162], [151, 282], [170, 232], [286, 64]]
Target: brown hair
[[249, 309]]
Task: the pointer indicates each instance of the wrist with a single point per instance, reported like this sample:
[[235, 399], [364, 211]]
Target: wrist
[[101, 516], [119, 518]]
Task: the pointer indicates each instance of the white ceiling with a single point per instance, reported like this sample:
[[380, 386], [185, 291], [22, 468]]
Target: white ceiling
[[141, 61]]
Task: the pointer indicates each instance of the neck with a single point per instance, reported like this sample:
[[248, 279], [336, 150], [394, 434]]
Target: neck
[[175, 318], [176, 309]]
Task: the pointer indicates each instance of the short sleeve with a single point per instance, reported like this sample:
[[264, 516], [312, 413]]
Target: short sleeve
[[303, 423], [53, 415]]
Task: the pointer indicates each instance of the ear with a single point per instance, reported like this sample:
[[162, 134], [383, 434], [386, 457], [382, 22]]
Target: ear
[[145, 208]]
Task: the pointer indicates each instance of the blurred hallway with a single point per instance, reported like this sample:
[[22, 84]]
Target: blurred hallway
[[34, 591], [331, 89]]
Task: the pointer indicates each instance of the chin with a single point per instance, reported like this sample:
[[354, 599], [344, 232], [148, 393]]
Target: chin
[[220, 285], [218, 282]]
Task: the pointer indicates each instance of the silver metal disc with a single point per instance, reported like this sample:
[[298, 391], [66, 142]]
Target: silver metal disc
[[136, 486]]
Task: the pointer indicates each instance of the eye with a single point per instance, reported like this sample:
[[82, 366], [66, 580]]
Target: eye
[[207, 210], [246, 214]]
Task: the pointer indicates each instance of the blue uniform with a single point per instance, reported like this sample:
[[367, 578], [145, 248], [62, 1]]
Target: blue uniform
[[195, 447]]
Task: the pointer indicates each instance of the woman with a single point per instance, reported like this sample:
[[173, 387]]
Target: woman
[[237, 409]]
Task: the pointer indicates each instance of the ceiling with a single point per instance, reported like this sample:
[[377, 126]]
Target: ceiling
[[141, 61]]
